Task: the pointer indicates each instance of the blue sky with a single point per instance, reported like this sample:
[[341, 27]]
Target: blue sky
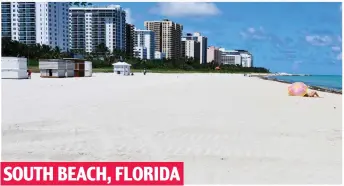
[[284, 37]]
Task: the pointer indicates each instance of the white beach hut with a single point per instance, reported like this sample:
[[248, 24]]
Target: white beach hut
[[121, 68], [14, 68], [88, 68], [56, 68]]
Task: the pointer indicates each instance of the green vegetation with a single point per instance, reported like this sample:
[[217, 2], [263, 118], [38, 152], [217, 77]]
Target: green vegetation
[[102, 59]]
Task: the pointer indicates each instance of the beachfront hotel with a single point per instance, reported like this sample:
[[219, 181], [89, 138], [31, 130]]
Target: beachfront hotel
[[190, 48], [235, 57], [91, 26], [214, 54], [129, 34], [203, 42], [246, 58], [230, 57], [144, 41], [36, 22], [167, 37]]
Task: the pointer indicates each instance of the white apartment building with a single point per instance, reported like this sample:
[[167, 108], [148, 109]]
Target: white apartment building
[[230, 57], [36, 22], [159, 55], [140, 52], [203, 42], [145, 39], [91, 26], [246, 60], [191, 49]]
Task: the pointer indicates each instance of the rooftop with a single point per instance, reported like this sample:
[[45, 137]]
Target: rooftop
[[110, 7]]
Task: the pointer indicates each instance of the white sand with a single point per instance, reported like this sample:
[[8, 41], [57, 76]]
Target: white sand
[[228, 129]]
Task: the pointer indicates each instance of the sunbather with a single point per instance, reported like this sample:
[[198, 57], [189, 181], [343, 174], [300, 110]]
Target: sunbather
[[312, 94]]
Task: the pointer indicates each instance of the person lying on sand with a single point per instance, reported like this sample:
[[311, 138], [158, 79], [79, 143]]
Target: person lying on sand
[[311, 94]]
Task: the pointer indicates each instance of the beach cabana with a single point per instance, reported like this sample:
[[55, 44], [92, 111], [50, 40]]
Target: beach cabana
[[121, 68], [14, 68], [79, 66], [56, 68], [88, 68]]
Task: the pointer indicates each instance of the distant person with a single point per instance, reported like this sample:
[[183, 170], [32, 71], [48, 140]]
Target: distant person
[[311, 94], [144, 71], [29, 74]]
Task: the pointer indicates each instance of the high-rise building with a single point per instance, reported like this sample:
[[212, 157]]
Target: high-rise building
[[91, 26], [167, 37], [140, 52], [130, 34], [191, 49], [214, 55], [246, 58], [36, 22], [145, 39], [203, 41]]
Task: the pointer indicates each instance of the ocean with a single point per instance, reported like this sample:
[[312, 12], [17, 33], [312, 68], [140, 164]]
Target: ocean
[[325, 81]]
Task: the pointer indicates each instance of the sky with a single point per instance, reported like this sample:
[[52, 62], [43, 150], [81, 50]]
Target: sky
[[283, 37]]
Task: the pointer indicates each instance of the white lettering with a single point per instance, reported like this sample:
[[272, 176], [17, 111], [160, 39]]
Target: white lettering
[[81, 174], [101, 174], [89, 173], [119, 173], [17, 173], [126, 175], [148, 173], [8, 174], [175, 174], [48, 173], [164, 173], [137, 173], [71, 173], [62, 173]]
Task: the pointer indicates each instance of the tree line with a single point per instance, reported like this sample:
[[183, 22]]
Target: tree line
[[102, 57]]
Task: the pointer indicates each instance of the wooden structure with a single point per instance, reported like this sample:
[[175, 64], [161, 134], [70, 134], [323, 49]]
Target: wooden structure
[[56, 68], [13, 68], [79, 66]]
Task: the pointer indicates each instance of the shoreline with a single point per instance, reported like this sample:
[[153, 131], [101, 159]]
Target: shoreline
[[317, 88]]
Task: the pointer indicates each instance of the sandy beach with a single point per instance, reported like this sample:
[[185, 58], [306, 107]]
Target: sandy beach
[[227, 129]]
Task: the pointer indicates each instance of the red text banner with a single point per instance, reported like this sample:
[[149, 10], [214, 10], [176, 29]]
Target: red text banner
[[92, 173]]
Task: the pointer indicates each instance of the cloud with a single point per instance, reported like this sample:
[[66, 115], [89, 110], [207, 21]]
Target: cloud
[[254, 33], [185, 9], [129, 19], [318, 40], [336, 48]]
